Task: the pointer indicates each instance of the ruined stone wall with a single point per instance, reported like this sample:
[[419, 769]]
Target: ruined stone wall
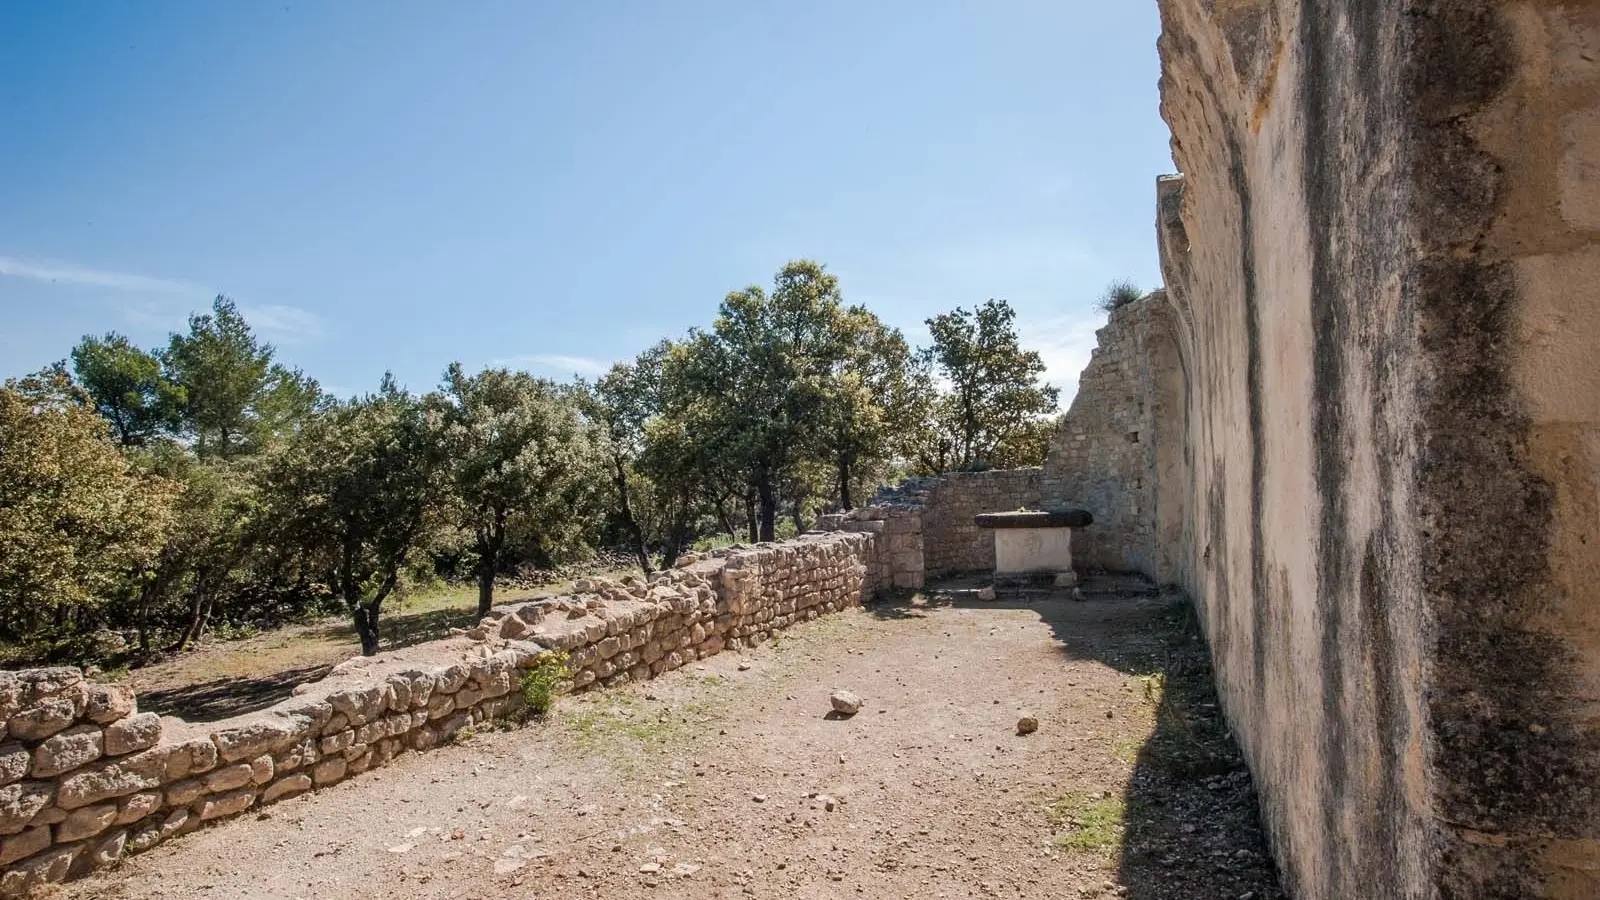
[[898, 558], [1118, 453], [1382, 263], [926, 525], [952, 541], [85, 778]]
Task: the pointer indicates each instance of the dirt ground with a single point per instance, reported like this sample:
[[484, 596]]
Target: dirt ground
[[728, 778]]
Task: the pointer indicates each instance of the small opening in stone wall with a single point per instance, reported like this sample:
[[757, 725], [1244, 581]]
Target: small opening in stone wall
[[1133, 437]]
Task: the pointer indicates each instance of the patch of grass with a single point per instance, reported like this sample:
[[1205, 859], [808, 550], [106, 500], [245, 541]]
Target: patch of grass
[[1119, 294], [621, 725], [1090, 822], [1127, 749]]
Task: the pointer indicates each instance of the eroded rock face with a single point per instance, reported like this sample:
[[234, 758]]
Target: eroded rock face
[[1386, 225]]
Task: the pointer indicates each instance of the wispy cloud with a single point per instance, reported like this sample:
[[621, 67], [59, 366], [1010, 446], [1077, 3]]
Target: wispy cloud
[[70, 273], [1065, 343], [285, 324], [580, 365]]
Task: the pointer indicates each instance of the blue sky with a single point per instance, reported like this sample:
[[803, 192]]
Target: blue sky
[[554, 186]]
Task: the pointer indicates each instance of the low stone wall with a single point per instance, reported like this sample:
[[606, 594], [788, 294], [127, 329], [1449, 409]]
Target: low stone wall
[[85, 778], [952, 540], [898, 562], [926, 526]]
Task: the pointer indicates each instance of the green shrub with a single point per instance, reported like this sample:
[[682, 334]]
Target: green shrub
[[540, 684], [1119, 294]]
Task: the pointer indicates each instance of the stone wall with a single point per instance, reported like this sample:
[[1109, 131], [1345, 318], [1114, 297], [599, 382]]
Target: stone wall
[[1381, 262], [85, 778], [1118, 452], [898, 560], [952, 541], [926, 524]]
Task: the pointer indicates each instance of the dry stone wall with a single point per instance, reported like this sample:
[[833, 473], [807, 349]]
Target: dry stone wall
[[85, 778]]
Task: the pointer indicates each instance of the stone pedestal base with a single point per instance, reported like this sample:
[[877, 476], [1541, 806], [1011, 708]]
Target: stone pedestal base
[[1032, 553]]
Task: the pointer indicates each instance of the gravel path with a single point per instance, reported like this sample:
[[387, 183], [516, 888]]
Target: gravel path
[[728, 779]]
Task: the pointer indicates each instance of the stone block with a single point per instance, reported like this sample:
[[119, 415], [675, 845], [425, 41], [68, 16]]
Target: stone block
[[329, 770], [286, 787], [67, 750], [15, 761], [222, 805], [228, 778], [137, 806], [267, 734], [132, 734], [21, 801], [49, 867], [86, 822], [105, 850], [185, 792], [43, 719], [24, 844], [106, 703], [261, 770]]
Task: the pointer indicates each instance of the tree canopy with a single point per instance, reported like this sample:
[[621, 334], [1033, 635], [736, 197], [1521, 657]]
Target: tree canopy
[[77, 518], [996, 400], [167, 490]]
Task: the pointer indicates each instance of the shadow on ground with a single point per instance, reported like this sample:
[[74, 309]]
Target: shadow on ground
[[404, 631], [223, 697], [1189, 820]]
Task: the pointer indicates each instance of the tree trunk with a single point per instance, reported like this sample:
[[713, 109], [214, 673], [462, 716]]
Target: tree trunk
[[199, 611], [725, 519], [485, 587], [750, 518], [620, 477], [768, 506], [366, 621], [678, 533], [844, 484]]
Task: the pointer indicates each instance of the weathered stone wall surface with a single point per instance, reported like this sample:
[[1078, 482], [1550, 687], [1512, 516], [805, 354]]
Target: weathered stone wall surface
[[927, 525], [85, 778], [1382, 264], [952, 541], [898, 555], [1118, 453]]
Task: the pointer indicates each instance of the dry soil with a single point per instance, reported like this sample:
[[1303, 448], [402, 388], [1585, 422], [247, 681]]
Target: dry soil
[[729, 778]]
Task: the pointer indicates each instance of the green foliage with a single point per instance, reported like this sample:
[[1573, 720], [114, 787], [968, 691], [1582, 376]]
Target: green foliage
[[76, 518], [523, 463], [208, 488], [358, 490], [539, 685], [996, 406], [236, 399], [1119, 294], [128, 388]]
